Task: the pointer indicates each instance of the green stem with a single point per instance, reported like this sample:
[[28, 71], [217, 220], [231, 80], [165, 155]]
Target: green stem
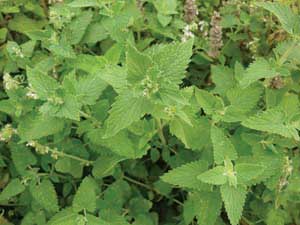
[[62, 154], [151, 189], [160, 132]]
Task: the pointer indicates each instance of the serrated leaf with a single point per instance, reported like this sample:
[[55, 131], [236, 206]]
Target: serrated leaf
[[76, 29], [41, 83], [206, 206], [45, 195], [234, 200], [172, 59], [289, 21], [63, 49], [223, 148], [242, 101], [84, 3], [104, 165], [272, 165], [166, 7], [24, 24], [67, 165], [85, 197], [272, 121], [13, 188], [186, 175], [93, 220], [89, 88], [94, 33], [66, 217], [216, 176], [70, 108], [115, 76], [293, 56], [22, 157], [248, 171], [223, 78], [211, 104], [35, 126], [260, 68], [127, 108], [137, 64], [189, 135]]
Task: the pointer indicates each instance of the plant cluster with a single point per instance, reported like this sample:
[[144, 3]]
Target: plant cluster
[[149, 112]]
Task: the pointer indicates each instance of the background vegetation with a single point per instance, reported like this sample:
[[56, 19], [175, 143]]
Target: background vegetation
[[147, 112]]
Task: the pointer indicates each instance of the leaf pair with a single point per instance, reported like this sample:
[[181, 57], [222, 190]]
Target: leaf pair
[[152, 76]]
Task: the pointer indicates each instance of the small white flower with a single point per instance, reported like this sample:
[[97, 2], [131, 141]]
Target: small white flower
[[187, 33], [32, 95], [9, 82]]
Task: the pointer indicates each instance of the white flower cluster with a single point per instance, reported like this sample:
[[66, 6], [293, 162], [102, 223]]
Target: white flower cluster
[[7, 132], [170, 111], [32, 95], [18, 52], [149, 86], [9, 82], [187, 33]]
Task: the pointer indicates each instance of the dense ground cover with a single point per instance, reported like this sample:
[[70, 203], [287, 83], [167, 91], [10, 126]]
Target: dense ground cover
[[149, 112]]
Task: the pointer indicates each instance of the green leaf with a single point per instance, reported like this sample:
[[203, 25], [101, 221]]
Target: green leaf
[[234, 199], [223, 78], [242, 101], [248, 171], [206, 206], [139, 205], [275, 217], [84, 3], [260, 68], [115, 76], [137, 65], [34, 126], [186, 175], [89, 63], [69, 108], [3, 33], [85, 197], [44, 85], [272, 121], [104, 165], [166, 7], [189, 135], [13, 188], [94, 33], [62, 49], [76, 29], [45, 195], [216, 176], [127, 108], [93, 220], [223, 148], [211, 104], [163, 19], [293, 56], [89, 88], [71, 166], [22, 157], [172, 59], [288, 19], [24, 24], [124, 143], [66, 217]]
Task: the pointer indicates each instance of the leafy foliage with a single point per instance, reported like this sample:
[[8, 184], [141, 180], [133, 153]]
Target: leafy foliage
[[149, 112]]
